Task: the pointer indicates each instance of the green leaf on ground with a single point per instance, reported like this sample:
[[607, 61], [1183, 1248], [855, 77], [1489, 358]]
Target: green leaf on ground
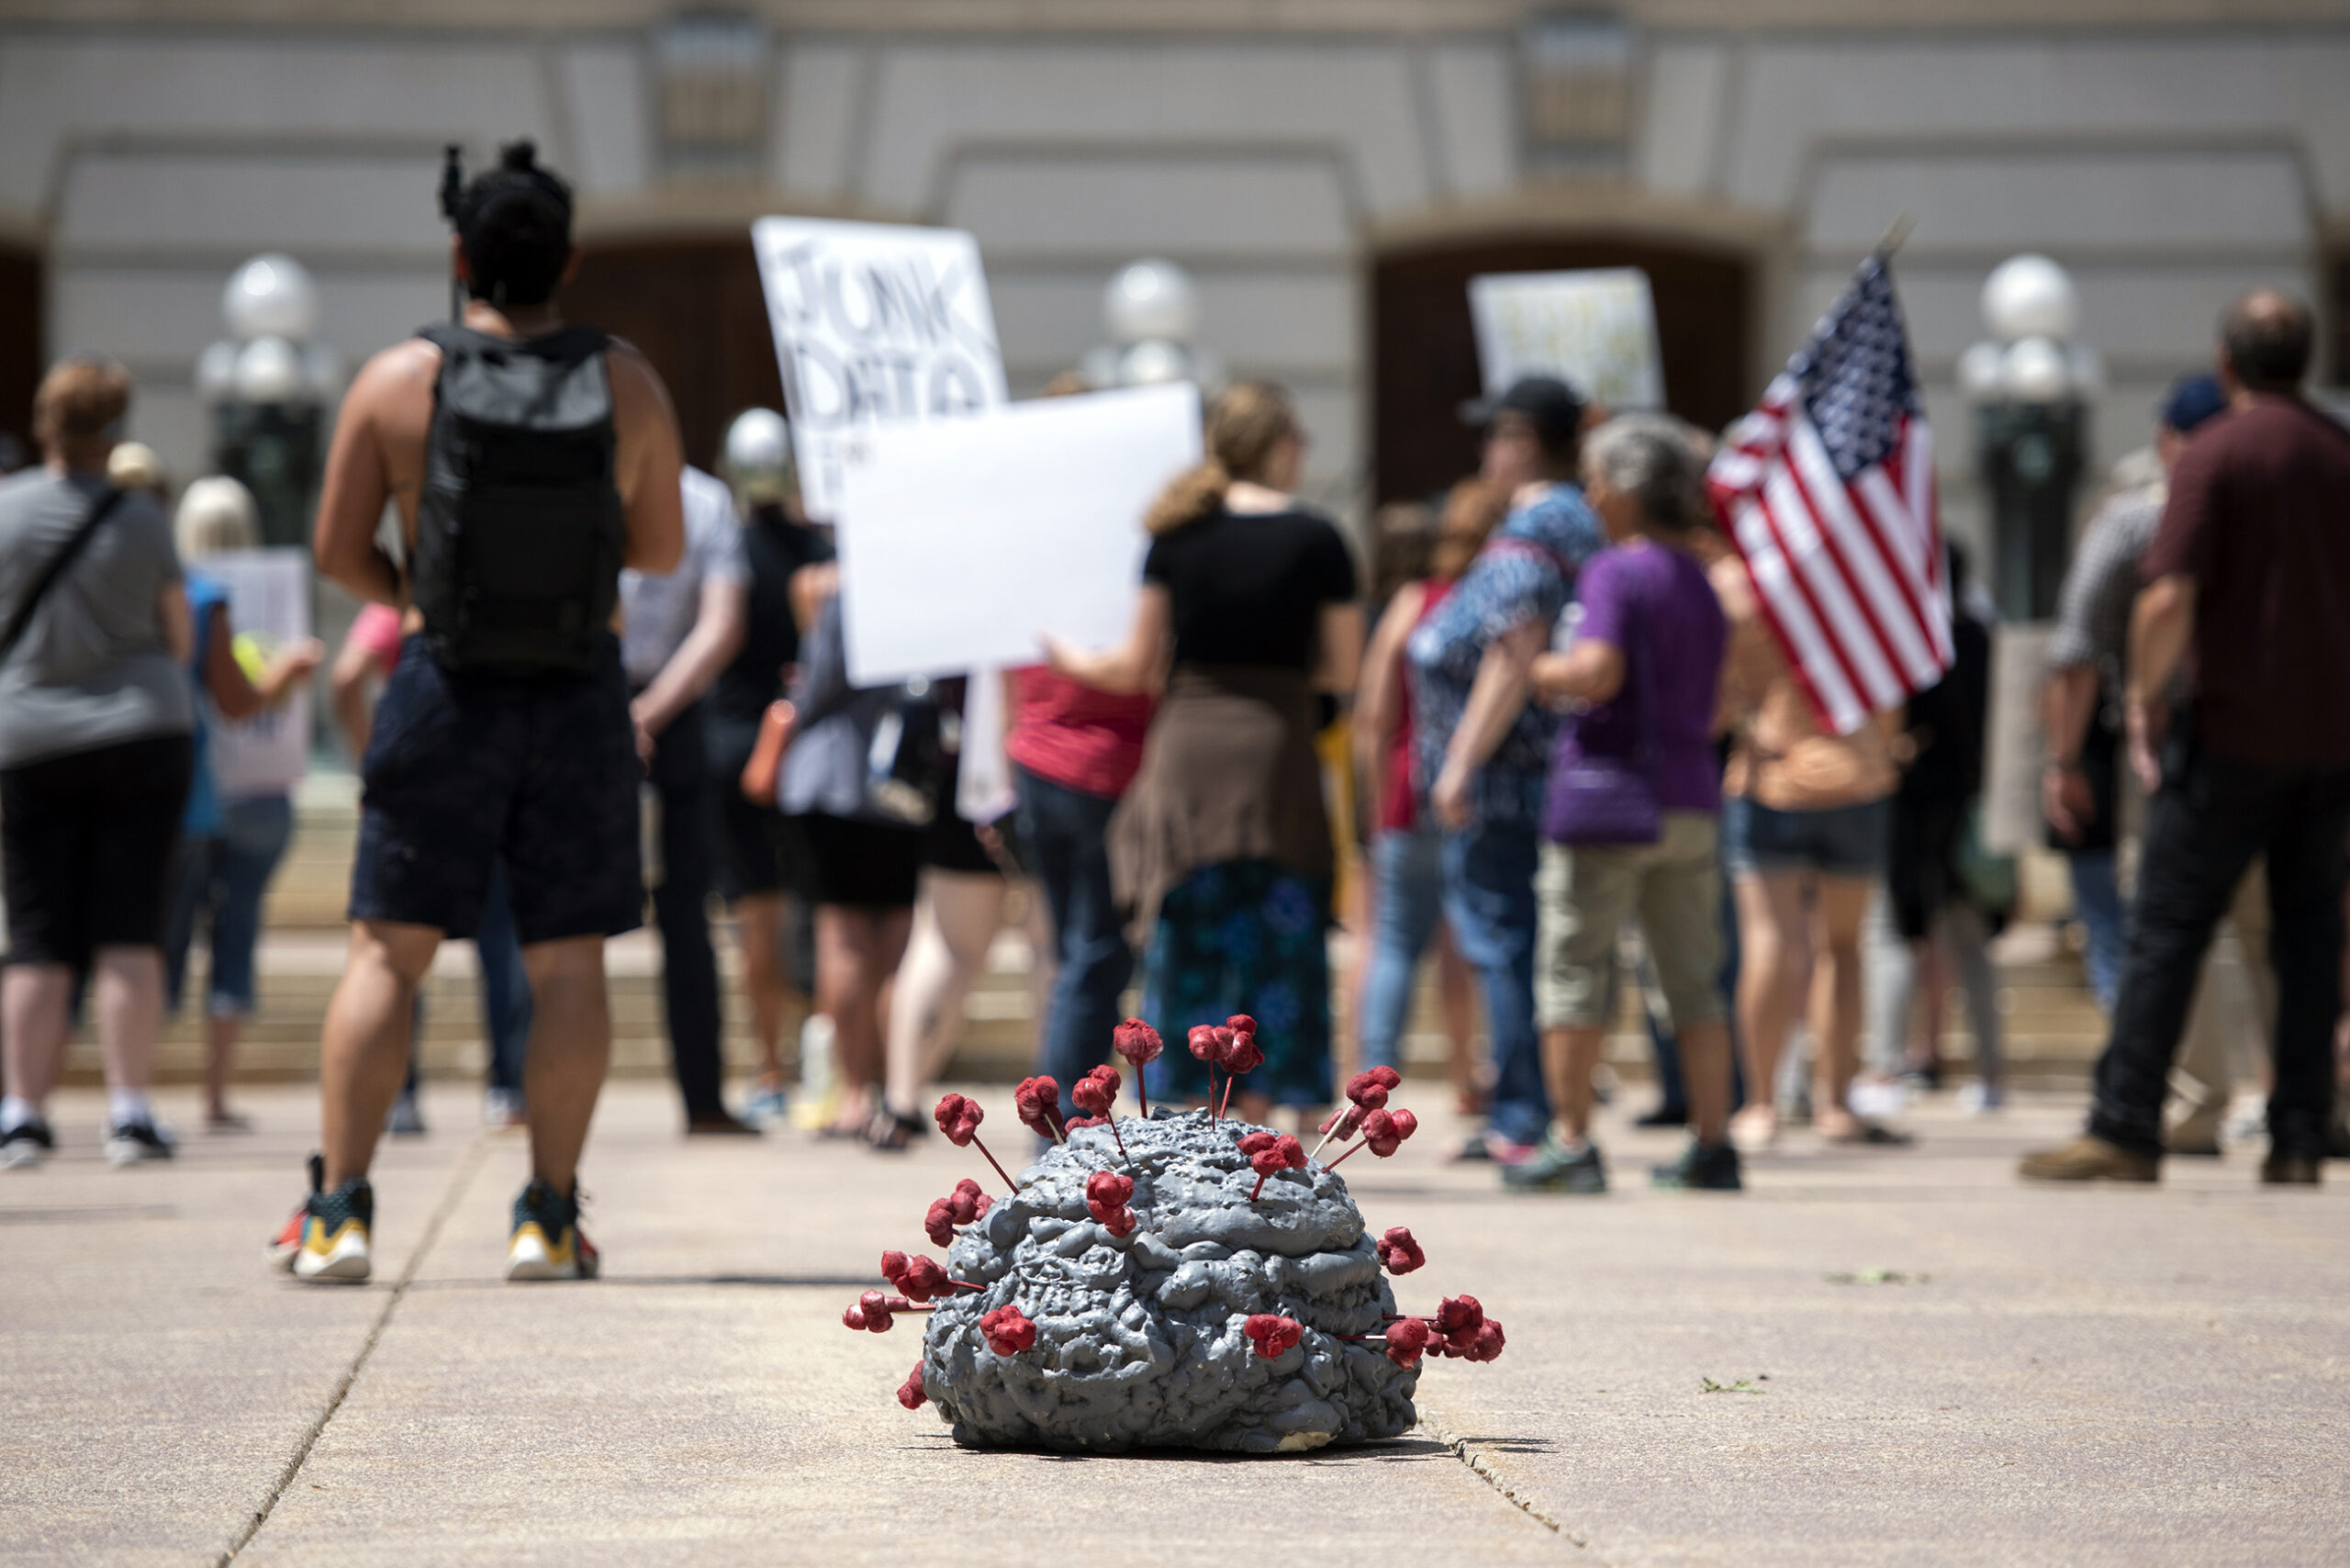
[[1743, 1385], [1878, 1277]]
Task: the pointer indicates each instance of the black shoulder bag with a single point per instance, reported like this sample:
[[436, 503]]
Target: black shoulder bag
[[106, 502]]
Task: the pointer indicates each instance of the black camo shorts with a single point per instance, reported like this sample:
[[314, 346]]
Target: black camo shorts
[[465, 770]]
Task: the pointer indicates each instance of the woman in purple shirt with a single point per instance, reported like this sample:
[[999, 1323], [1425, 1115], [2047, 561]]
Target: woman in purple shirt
[[1633, 803]]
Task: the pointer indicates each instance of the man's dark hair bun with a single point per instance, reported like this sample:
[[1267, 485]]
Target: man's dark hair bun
[[523, 156]]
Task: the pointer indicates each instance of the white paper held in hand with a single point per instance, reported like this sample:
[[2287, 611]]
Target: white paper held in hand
[[962, 539]]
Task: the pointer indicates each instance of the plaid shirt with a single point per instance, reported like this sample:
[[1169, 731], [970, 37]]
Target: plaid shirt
[[2101, 586]]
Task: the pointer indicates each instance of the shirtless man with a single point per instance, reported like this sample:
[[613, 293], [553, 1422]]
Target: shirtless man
[[485, 748]]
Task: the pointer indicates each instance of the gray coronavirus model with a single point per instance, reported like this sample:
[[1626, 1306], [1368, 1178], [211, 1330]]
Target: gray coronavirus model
[[1177, 1281]]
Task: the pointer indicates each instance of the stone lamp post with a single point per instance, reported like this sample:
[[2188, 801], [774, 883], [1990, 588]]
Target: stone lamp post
[[268, 384]]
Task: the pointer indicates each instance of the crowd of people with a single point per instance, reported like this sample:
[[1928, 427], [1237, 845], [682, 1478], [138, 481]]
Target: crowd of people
[[1585, 772]]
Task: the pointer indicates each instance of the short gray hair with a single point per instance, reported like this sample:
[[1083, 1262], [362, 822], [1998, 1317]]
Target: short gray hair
[[1651, 458]]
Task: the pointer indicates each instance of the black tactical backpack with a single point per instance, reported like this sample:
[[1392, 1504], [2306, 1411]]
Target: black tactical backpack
[[519, 531]]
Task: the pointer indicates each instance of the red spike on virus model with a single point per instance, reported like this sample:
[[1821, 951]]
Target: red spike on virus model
[[1140, 1045], [1039, 1100], [959, 1119]]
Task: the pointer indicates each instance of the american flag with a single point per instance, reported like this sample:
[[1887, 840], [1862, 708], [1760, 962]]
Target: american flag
[[1828, 489]]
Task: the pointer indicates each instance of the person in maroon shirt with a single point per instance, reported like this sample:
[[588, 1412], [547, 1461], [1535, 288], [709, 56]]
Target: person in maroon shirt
[[2251, 567]]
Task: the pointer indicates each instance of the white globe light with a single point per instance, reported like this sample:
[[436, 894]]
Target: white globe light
[[2034, 371], [271, 296], [1978, 370], [269, 369], [1154, 362], [1099, 367], [1152, 299], [2030, 296], [758, 439], [215, 373]]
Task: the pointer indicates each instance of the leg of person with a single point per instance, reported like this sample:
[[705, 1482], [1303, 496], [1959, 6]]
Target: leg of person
[[1069, 832], [572, 844], [2097, 900], [849, 977], [1680, 912], [1664, 1057], [1890, 981], [1968, 940], [681, 909], [956, 918], [1774, 958], [969, 906], [2306, 874], [142, 793], [2250, 916], [1184, 983], [1406, 869], [1583, 896], [255, 832], [2202, 829], [1489, 903], [190, 898], [505, 1004], [1840, 902], [364, 1049], [1282, 980], [1455, 985], [49, 831], [758, 923]]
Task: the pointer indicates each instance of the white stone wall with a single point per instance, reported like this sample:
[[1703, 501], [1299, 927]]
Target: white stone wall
[[2169, 169]]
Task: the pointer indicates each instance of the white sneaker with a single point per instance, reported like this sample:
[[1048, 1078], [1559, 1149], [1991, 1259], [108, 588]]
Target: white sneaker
[[1979, 1099], [134, 1143], [1877, 1102], [404, 1120], [25, 1145], [501, 1108]]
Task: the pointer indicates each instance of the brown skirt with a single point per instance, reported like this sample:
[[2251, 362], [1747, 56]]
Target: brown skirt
[[1228, 773]]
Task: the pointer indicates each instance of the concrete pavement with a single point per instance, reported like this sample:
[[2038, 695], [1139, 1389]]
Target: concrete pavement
[[1917, 1360]]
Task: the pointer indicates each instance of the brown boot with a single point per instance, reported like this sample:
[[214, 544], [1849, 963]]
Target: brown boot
[[2290, 1171], [2088, 1159]]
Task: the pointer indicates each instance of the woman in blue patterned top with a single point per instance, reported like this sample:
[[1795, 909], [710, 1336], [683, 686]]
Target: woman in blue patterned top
[[1483, 747]]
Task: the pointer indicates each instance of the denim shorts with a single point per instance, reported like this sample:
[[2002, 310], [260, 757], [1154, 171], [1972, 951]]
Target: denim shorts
[[466, 769], [1840, 841]]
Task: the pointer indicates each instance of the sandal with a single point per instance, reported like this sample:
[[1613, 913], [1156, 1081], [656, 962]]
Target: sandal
[[1873, 1134], [889, 1132]]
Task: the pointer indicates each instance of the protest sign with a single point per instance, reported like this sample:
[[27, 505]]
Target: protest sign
[[961, 541], [269, 605], [1597, 331], [874, 323]]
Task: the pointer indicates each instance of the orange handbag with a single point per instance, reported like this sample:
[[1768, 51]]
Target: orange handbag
[[764, 770]]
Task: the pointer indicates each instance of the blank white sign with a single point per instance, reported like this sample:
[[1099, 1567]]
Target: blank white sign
[[961, 539], [1595, 329]]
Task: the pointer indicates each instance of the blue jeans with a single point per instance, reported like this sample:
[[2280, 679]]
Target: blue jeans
[[1066, 832], [1489, 901], [223, 880], [1408, 867], [2097, 899]]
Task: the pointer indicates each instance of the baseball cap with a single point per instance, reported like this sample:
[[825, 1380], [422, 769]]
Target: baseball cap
[[2192, 399], [1549, 404]]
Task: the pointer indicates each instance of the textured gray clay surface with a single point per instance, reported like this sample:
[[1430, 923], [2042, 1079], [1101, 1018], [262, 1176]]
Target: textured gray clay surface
[[1139, 1341]]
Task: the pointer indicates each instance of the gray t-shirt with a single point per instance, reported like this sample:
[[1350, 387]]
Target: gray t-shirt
[[93, 669], [658, 611]]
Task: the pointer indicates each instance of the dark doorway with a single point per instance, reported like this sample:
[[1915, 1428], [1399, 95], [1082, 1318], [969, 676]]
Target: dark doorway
[[1424, 354], [696, 310], [21, 350]]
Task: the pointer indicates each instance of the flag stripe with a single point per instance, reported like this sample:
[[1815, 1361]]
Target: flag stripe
[[1807, 547], [1875, 568]]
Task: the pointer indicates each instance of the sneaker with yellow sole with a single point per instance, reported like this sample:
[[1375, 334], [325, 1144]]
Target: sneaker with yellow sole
[[325, 1240], [547, 1243]]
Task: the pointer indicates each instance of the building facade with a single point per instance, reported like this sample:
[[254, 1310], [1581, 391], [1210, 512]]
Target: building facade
[[1330, 170]]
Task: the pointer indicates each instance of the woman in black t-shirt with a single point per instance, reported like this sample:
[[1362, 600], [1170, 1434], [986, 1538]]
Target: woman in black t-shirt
[[1222, 849]]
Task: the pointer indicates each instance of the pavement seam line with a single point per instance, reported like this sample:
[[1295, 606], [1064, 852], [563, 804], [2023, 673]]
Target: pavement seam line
[[460, 1182], [1490, 1473]]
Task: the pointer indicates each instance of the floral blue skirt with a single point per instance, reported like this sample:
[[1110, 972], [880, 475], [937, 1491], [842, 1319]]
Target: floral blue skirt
[[1243, 936]]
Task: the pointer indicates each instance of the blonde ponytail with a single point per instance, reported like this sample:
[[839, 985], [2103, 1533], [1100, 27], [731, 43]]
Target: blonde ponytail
[[1245, 426]]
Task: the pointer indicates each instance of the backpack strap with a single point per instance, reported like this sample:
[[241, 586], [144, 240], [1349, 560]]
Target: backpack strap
[[107, 500]]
